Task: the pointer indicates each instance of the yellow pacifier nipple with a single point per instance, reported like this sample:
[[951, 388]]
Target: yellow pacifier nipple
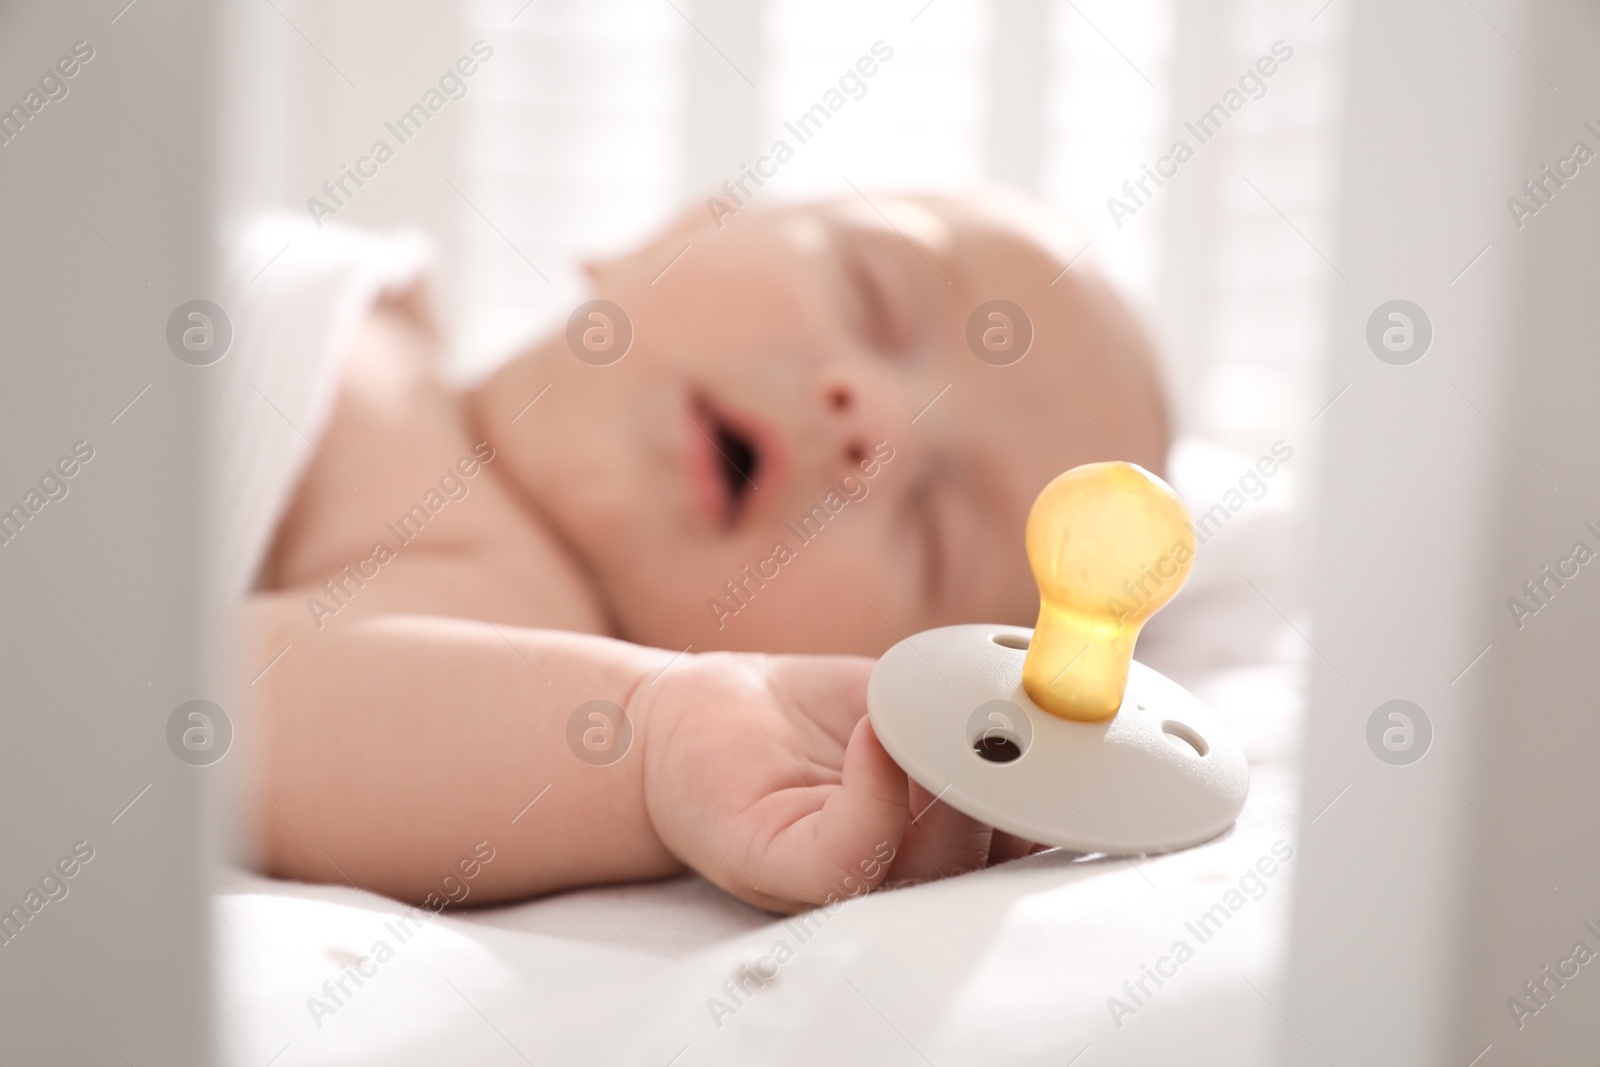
[[1109, 544]]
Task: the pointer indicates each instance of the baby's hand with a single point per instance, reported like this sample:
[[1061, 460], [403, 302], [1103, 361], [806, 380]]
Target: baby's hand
[[763, 773]]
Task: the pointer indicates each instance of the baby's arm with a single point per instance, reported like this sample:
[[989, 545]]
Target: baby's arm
[[394, 744]]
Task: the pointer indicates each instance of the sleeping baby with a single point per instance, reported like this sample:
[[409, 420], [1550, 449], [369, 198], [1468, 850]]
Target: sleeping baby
[[612, 611]]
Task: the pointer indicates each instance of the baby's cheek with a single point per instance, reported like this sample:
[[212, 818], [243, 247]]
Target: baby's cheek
[[860, 595]]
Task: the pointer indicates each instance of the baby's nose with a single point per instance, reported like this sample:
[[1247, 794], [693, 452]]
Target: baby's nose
[[849, 419], [841, 401]]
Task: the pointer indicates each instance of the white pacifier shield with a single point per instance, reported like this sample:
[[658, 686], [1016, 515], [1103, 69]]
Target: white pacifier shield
[[1163, 773]]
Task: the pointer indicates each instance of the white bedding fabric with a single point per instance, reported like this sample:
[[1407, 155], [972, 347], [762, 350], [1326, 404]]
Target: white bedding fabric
[[1013, 965], [295, 295]]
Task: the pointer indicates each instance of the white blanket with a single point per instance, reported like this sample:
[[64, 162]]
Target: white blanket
[[1054, 959], [295, 295]]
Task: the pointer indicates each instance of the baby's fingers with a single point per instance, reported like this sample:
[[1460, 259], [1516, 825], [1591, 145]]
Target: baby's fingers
[[844, 849], [1006, 847], [939, 842]]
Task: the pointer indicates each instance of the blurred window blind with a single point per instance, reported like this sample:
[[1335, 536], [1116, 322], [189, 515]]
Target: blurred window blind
[[1263, 250], [572, 147], [918, 122], [1226, 254], [1106, 114]]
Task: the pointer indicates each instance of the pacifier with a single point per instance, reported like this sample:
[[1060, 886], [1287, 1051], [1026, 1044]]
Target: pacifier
[[1057, 734]]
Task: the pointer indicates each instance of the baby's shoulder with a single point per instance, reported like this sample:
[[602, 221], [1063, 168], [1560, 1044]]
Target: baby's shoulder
[[399, 489]]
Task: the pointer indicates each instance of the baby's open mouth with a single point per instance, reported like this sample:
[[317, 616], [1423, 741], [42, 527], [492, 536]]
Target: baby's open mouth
[[737, 463], [740, 464]]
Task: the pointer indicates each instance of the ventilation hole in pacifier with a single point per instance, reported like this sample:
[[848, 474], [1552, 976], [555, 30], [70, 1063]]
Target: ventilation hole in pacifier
[[1184, 737], [999, 731], [1016, 641], [997, 749]]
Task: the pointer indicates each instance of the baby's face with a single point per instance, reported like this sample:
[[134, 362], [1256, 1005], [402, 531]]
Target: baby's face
[[800, 451]]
